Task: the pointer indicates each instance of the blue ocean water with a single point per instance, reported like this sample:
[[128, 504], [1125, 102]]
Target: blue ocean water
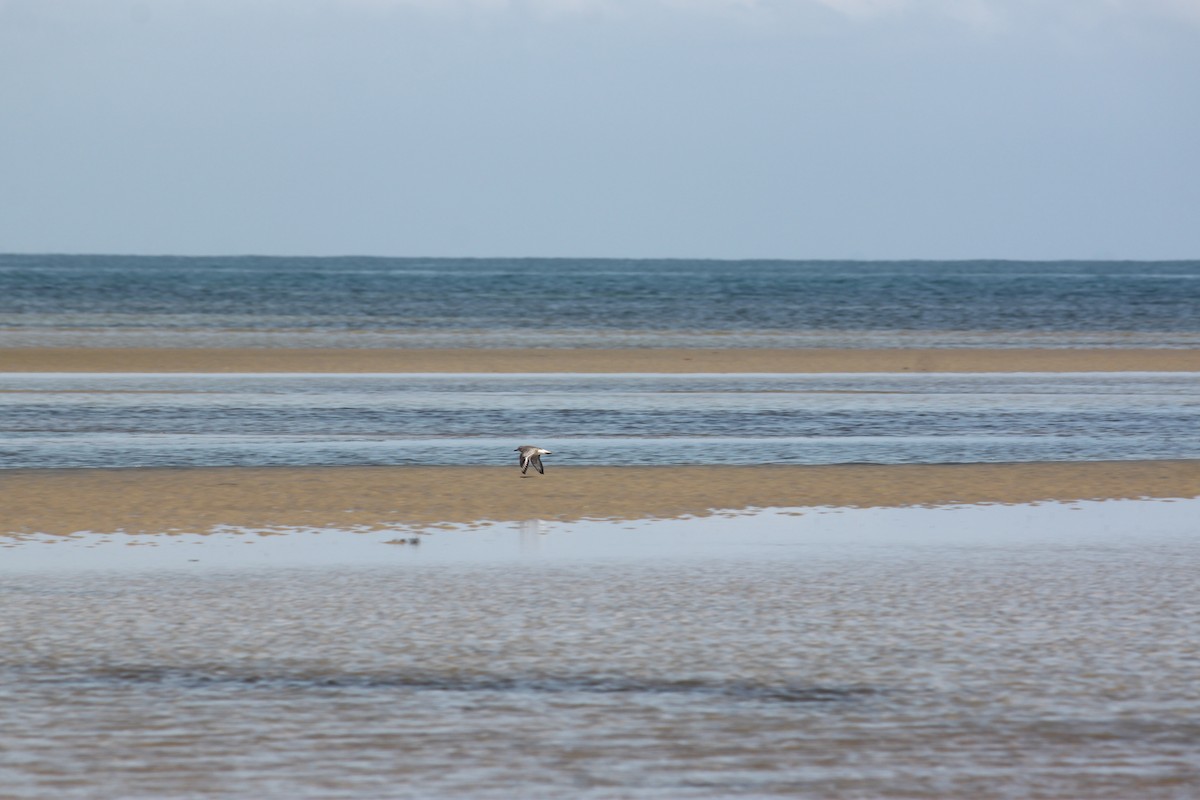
[[406, 302], [197, 420]]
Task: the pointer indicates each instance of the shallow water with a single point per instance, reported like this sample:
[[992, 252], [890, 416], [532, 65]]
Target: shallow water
[[115, 420], [82, 300], [1019, 651]]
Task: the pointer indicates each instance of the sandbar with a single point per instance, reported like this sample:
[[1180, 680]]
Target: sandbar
[[645, 360], [201, 500]]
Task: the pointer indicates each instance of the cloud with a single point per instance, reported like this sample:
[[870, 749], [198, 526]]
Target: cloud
[[988, 15], [1008, 14], [863, 9], [1181, 9], [461, 7], [979, 14]]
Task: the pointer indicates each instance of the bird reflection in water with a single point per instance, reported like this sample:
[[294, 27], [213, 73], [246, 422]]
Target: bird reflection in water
[[531, 531]]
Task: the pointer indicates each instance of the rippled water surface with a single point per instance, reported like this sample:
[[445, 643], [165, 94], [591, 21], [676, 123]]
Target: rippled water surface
[[1025, 651], [103, 420], [86, 300]]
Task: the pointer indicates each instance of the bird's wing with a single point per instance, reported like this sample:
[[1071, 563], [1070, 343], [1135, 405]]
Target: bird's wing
[[536, 460]]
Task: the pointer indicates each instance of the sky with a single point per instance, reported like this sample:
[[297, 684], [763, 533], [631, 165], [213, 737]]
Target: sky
[[865, 129]]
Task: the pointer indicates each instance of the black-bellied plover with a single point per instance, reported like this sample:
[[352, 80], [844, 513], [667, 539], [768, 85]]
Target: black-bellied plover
[[532, 455]]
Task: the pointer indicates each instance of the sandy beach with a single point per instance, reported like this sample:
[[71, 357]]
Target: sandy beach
[[647, 360], [199, 500]]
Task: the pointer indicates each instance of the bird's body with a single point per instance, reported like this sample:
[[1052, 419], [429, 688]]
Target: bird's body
[[532, 456]]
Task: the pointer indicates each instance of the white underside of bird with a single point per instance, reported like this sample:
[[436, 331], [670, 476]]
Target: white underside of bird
[[532, 457]]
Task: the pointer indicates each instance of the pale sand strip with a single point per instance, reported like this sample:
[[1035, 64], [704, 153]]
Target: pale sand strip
[[561, 360], [196, 500]]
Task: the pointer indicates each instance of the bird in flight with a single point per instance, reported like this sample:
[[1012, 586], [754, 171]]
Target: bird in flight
[[531, 455]]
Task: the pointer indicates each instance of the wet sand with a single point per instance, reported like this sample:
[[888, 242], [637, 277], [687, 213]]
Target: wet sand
[[985, 652], [650, 360], [408, 498]]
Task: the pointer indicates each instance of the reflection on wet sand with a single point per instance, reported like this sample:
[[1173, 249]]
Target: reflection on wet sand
[[1006, 651]]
